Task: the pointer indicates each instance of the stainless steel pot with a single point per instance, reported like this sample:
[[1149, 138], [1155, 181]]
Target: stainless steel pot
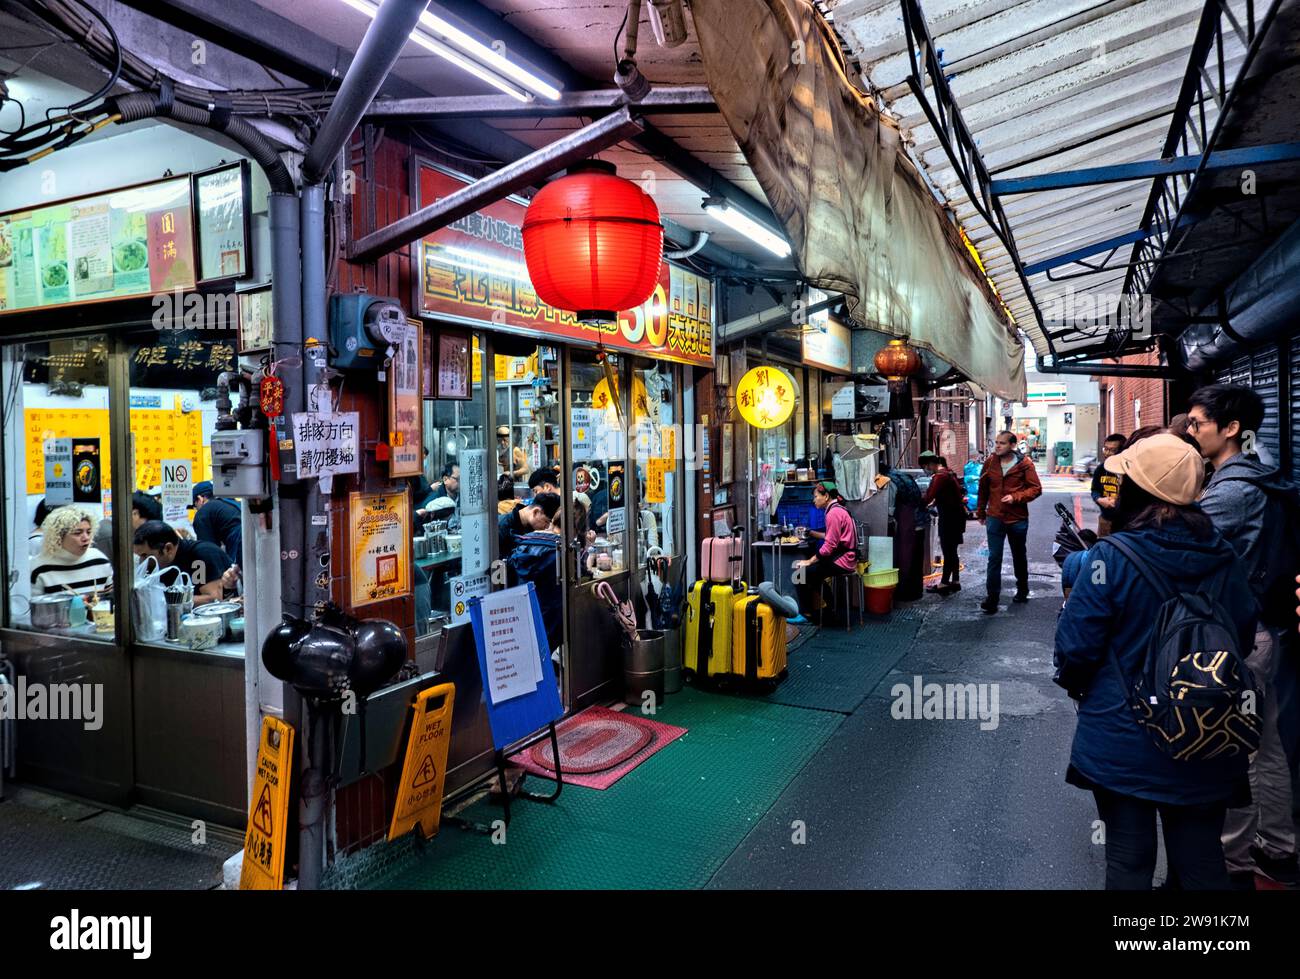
[[227, 612], [51, 611]]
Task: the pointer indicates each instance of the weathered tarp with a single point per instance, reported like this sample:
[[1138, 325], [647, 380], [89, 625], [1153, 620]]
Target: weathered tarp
[[857, 213]]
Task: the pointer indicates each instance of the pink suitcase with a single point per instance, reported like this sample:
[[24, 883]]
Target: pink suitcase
[[722, 558]]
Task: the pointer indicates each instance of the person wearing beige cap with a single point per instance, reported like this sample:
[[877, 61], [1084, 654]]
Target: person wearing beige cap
[[1102, 638]]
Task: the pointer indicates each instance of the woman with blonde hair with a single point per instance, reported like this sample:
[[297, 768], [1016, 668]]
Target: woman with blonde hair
[[67, 561]]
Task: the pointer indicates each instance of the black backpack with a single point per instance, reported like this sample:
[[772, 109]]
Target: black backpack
[[1277, 603], [1194, 695]]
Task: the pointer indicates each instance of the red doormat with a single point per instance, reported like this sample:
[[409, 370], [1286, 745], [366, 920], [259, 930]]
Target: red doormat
[[598, 747]]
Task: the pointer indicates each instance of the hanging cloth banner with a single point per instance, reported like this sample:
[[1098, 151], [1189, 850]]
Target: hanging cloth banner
[[857, 212]]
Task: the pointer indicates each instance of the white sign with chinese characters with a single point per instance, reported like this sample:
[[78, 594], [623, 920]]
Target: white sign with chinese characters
[[473, 482], [510, 637], [58, 471], [476, 542], [463, 588], [326, 443]]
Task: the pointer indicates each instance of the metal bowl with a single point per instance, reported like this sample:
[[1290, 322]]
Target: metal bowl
[[51, 611], [227, 612]]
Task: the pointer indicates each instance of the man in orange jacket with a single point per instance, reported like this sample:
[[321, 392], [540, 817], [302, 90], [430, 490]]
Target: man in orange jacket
[[1008, 482]]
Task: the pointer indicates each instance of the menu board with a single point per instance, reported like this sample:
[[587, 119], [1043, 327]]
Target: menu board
[[132, 242], [157, 435]]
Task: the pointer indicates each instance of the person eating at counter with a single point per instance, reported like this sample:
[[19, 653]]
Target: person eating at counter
[[536, 516], [205, 563], [67, 561]]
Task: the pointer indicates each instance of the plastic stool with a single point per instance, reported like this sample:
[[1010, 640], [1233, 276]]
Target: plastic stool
[[844, 584]]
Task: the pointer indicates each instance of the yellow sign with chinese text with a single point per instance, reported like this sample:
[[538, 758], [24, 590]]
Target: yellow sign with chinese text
[[419, 797], [654, 481], [380, 534], [765, 396], [268, 812]]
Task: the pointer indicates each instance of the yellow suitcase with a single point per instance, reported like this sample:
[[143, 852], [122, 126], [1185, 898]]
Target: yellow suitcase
[[758, 652], [708, 629]]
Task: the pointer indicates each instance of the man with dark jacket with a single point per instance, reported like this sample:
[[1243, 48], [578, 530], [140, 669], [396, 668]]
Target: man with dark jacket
[[1105, 484], [1008, 482], [217, 521], [1243, 499], [536, 516]]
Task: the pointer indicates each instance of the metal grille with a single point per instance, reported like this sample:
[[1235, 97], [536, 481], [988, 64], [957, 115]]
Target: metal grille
[[1263, 369], [1295, 408]]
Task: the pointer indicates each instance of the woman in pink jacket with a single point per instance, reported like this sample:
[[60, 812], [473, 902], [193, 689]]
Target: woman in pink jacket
[[837, 555]]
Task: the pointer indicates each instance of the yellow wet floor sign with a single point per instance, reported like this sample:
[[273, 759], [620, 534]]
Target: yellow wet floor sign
[[419, 800], [269, 809]]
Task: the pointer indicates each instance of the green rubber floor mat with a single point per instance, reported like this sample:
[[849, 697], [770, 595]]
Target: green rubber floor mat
[[670, 823], [836, 670]]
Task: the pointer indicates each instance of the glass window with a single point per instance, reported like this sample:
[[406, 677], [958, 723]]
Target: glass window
[[598, 427], [190, 530], [658, 479], [60, 549]]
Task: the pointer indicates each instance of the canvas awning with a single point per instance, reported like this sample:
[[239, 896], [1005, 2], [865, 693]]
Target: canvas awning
[[855, 209]]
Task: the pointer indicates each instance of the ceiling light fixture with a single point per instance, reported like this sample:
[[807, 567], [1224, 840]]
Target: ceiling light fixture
[[483, 62], [721, 209]]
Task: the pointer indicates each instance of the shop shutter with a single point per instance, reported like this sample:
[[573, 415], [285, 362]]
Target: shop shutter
[[1295, 408], [1263, 378]]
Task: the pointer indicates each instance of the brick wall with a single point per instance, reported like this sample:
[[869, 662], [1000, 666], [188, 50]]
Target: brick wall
[[1128, 391]]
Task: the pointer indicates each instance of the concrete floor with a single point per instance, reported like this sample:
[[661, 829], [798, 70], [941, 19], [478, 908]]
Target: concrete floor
[[894, 803]]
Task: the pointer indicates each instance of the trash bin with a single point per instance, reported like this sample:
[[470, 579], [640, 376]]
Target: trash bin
[[672, 660], [643, 666]]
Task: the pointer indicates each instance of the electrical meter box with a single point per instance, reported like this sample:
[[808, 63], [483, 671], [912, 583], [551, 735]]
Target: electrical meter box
[[362, 328], [239, 462]]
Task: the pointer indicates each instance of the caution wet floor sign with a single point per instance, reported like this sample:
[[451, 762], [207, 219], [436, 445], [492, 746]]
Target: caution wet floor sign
[[419, 801], [264, 841]]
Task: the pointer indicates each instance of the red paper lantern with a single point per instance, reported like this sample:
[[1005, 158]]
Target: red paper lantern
[[896, 360], [593, 243]]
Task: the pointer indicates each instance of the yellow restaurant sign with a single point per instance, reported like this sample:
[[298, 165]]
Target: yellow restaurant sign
[[380, 525], [765, 396]]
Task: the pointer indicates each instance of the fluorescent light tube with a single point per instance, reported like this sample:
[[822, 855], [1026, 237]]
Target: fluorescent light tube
[[721, 209]]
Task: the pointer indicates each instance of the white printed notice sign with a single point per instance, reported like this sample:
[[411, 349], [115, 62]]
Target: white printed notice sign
[[513, 664]]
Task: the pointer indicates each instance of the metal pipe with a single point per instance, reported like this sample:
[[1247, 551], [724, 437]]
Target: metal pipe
[[677, 99], [701, 239], [311, 800], [513, 177], [769, 319], [286, 301], [314, 326], [385, 38]]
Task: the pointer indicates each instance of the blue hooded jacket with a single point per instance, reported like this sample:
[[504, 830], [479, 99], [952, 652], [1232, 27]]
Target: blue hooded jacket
[[1111, 606], [535, 558]]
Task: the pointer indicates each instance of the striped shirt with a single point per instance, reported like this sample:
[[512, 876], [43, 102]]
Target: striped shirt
[[56, 573]]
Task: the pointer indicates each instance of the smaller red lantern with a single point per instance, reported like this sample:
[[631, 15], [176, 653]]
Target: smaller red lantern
[[897, 362], [593, 243]]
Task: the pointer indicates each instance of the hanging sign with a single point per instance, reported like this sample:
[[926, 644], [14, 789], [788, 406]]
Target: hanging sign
[[405, 404], [380, 534], [827, 343], [268, 814], [58, 471], [473, 271], [616, 521], [327, 443], [584, 442], [419, 795], [177, 488], [765, 397], [655, 482], [477, 531], [843, 403], [453, 374]]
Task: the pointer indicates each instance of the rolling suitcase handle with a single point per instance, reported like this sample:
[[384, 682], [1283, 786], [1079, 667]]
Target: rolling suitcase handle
[[738, 562]]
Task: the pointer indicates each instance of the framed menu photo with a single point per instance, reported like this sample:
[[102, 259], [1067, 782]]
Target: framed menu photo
[[223, 229], [452, 378], [255, 324]]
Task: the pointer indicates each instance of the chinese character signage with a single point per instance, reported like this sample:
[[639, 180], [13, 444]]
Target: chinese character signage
[[406, 403], [327, 443], [131, 242], [380, 535], [473, 271], [765, 397]]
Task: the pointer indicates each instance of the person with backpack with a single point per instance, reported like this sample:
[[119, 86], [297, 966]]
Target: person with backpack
[[1008, 482], [1161, 611], [945, 494], [1258, 512]]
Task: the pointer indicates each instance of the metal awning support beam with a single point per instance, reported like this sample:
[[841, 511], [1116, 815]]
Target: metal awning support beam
[[679, 99], [1247, 156], [1112, 370], [1097, 247], [524, 172], [774, 317]]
